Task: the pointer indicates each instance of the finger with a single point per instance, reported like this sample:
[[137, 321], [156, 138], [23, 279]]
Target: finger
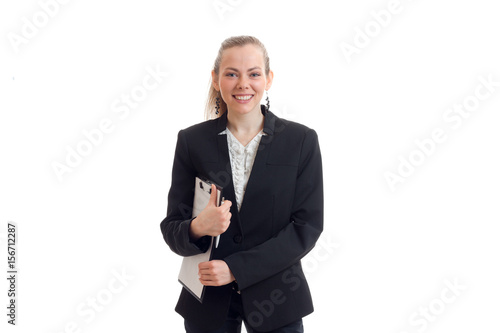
[[227, 220], [205, 277], [227, 204], [213, 196], [204, 265], [209, 279], [208, 283], [212, 282], [205, 273], [226, 211]]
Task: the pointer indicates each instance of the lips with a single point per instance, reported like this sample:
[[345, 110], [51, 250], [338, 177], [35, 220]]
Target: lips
[[243, 97]]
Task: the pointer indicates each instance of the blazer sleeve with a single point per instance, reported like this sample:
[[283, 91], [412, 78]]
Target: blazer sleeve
[[175, 226], [299, 237]]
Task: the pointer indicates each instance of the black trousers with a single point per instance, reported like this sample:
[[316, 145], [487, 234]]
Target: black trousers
[[235, 318]]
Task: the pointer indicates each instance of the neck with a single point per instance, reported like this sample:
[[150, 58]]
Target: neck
[[250, 123]]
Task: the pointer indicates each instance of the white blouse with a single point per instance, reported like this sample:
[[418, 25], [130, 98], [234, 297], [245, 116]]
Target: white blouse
[[242, 158]]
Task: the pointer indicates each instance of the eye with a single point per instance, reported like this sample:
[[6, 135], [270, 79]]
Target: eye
[[255, 74], [231, 74]]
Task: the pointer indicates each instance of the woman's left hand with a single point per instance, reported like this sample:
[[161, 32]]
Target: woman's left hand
[[215, 273]]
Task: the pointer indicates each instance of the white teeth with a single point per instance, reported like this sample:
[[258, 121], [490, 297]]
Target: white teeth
[[243, 98]]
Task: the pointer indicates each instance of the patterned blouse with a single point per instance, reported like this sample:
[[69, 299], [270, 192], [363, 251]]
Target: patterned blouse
[[242, 158]]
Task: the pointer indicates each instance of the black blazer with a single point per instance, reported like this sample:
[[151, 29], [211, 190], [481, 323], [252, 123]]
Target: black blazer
[[280, 220]]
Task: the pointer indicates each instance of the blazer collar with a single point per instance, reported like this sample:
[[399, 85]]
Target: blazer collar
[[259, 165], [269, 121]]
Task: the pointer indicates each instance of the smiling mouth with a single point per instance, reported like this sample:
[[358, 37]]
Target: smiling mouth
[[243, 97]]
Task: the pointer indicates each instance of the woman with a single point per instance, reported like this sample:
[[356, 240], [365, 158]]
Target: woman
[[271, 173]]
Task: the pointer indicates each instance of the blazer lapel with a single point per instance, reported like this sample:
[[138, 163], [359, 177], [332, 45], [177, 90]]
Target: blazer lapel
[[259, 165], [224, 177]]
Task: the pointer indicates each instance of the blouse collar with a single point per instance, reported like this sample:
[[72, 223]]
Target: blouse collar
[[269, 121]]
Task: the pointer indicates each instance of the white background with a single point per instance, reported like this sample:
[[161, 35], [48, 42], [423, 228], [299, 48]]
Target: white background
[[385, 254]]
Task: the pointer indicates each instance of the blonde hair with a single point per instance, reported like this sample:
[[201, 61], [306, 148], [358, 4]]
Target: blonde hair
[[226, 44]]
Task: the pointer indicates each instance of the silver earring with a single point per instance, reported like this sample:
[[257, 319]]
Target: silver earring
[[267, 101]]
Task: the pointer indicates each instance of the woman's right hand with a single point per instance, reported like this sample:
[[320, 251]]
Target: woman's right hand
[[213, 220]]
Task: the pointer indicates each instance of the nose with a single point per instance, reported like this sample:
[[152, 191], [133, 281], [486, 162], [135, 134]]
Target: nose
[[242, 82]]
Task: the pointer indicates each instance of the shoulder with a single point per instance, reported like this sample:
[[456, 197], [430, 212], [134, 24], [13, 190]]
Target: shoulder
[[200, 139], [202, 128], [291, 142], [291, 130], [200, 132]]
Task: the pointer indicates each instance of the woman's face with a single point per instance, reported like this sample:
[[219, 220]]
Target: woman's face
[[242, 80]]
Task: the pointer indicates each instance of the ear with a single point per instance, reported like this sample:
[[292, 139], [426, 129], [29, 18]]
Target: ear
[[215, 81], [269, 79]]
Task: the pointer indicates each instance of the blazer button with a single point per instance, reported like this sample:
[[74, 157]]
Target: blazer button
[[237, 239]]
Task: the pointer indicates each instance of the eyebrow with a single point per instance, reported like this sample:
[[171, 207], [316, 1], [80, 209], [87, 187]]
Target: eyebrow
[[234, 69]]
